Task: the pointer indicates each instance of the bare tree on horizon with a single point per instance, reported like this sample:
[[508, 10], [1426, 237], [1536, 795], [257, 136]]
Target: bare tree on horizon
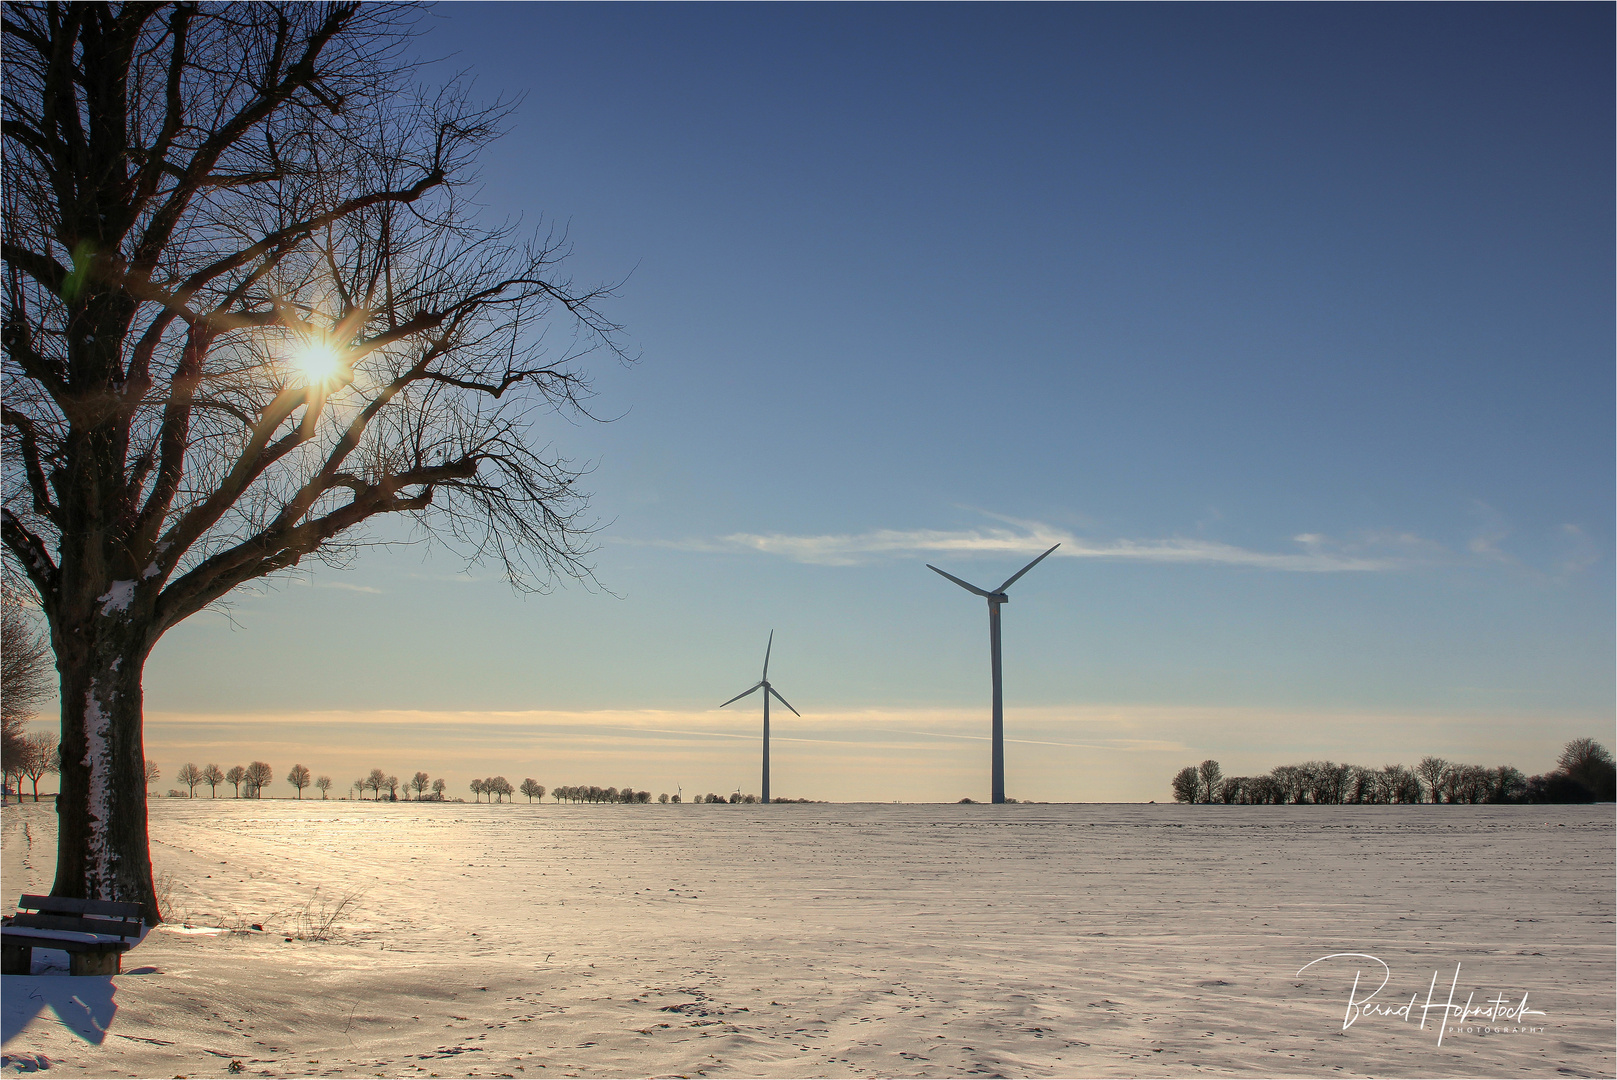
[[258, 777], [1590, 764], [190, 776], [25, 677], [1431, 770], [41, 755], [213, 776]]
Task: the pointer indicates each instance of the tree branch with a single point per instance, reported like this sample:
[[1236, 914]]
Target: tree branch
[[31, 552], [28, 444]]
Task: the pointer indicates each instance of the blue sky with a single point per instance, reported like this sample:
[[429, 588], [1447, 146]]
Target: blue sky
[[1292, 324]]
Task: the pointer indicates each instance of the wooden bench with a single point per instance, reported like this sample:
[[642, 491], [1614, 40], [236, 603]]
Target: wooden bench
[[94, 933]]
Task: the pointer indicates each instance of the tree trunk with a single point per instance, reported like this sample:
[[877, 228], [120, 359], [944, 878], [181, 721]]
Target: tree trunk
[[102, 851]]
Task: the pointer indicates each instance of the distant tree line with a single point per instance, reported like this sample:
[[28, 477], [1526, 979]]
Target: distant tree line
[[591, 793], [36, 755], [247, 781], [426, 789], [1586, 772]]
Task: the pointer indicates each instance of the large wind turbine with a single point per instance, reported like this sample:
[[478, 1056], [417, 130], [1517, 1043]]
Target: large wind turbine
[[995, 599], [763, 684]]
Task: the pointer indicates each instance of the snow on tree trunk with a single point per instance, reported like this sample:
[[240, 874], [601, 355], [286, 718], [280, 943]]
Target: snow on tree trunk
[[102, 851]]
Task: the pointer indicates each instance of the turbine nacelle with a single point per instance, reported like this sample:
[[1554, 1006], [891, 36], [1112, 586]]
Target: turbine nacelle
[[998, 596]]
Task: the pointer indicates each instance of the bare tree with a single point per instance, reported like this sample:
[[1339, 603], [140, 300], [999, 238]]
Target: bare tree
[[1209, 774], [419, 782], [153, 773], [298, 776], [247, 310], [1327, 781], [1590, 764], [376, 781], [438, 786], [478, 788], [1431, 770], [1186, 784], [25, 677], [323, 784], [41, 756], [1400, 785], [15, 759], [1290, 785], [235, 777], [259, 775], [190, 776], [1506, 784], [213, 776], [359, 787], [11, 767], [392, 785]]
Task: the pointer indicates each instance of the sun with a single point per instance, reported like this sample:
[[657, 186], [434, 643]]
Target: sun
[[319, 364]]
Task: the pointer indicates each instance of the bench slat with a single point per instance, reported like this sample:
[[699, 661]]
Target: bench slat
[[66, 940], [79, 923], [68, 905]]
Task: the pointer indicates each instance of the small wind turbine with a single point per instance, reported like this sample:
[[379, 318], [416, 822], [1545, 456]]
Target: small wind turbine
[[763, 684], [995, 599]]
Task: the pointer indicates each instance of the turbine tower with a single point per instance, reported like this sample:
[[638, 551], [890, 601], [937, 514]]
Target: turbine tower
[[763, 684], [995, 599]]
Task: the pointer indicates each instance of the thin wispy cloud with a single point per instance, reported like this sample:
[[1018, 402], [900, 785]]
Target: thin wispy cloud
[[307, 583], [1111, 745], [1309, 553]]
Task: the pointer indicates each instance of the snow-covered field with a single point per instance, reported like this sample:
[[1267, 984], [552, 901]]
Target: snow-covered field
[[841, 940]]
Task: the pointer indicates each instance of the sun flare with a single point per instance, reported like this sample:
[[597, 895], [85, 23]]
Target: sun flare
[[319, 364]]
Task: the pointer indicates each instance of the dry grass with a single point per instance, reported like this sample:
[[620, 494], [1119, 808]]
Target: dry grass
[[164, 885], [317, 919]]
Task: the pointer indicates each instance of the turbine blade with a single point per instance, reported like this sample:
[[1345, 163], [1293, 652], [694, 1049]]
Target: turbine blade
[[783, 701], [743, 693], [1012, 579], [968, 586], [771, 645]]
